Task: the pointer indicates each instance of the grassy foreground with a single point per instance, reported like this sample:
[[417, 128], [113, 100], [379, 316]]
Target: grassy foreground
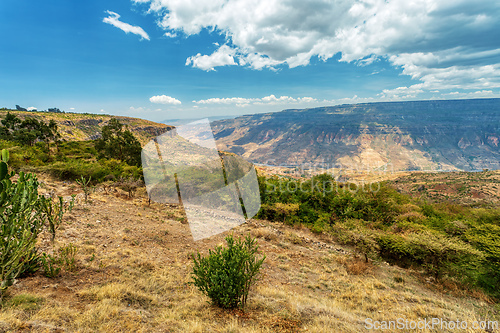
[[133, 267]]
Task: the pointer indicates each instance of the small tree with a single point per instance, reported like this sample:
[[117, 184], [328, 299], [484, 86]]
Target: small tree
[[118, 143], [227, 274]]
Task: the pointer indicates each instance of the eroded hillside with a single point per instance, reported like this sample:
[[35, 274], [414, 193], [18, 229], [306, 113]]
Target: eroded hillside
[[424, 135]]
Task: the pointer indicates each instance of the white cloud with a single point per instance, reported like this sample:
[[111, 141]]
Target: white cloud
[[231, 100], [267, 100], [224, 56], [113, 19], [349, 100], [443, 44], [163, 99], [170, 34], [473, 94], [31, 108], [402, 92]]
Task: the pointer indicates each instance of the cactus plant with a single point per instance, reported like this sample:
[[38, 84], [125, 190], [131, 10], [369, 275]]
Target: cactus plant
[[54, 211], [23, 215], [85, 186], [21, 221]]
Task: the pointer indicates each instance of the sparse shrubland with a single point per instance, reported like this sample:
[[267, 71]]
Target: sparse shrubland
[[117, 153], [445, 240], [133, 273]]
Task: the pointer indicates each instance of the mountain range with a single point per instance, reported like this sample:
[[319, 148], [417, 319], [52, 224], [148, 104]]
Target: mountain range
[[418, 135]]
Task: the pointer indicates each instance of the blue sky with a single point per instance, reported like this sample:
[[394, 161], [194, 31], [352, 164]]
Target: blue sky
[[165, 59]]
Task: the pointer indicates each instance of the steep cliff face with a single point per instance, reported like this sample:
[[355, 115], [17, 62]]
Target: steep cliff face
[[424, 135], [76, 126]]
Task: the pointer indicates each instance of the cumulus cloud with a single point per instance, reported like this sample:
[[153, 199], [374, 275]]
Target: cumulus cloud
[[402, 92], [164, 99], [443, 44], [473, 94], [267, 100], [170, 34], [224, 56], [113, 19]]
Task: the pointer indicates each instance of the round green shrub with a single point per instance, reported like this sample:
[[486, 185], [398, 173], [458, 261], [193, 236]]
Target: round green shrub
[[227, 274]]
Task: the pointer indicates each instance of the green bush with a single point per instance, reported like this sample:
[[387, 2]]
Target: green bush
[[352, 233], [85, 186], [67, 256], [227, 274], [486, 237], [54, 211], [437, 254], [51, 265]]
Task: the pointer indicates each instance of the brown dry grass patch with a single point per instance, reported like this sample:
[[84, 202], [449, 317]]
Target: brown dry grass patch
[[133, 274]]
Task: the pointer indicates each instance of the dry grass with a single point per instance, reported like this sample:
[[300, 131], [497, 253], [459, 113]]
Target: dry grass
[[357, 266], [133, 274]]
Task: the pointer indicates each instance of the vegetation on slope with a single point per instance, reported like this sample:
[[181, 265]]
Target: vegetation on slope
[[132, 274], [85, 126], [116, 155], [445, 240]]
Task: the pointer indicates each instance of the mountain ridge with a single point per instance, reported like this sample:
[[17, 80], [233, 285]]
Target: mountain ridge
[[417, 135], [85, 126]]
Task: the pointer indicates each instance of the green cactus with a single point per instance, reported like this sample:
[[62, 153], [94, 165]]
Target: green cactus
[[54, 211], [85, 186], [21, 219]]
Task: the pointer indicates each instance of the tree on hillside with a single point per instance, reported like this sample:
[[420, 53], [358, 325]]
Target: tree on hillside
[[28, 131], [119, 143], [11, 122], [56, 110], [53, 134]]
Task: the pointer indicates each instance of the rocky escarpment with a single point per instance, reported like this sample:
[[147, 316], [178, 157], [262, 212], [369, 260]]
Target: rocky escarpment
[[151, 131], [423, 135]]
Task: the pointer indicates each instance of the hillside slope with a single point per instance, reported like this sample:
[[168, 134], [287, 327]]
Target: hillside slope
[[84, 126], [133, 271], [422, 135]]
